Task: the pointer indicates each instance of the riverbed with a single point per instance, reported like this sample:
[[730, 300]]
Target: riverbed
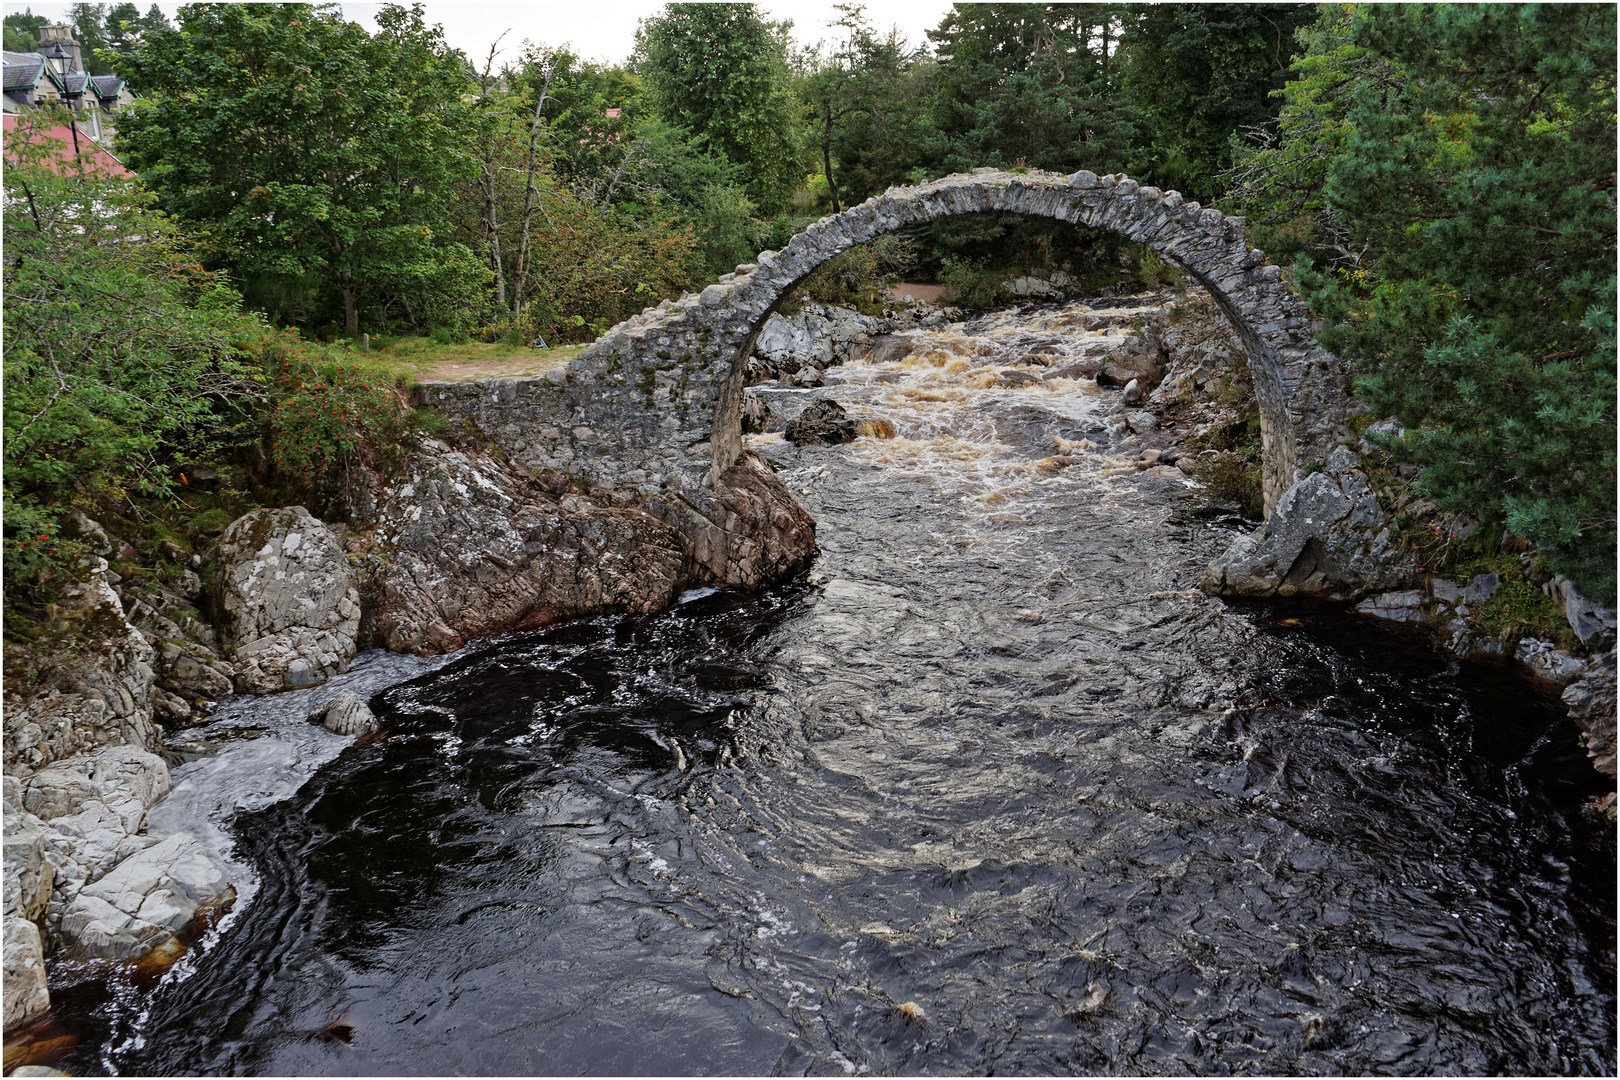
[[991, 788]]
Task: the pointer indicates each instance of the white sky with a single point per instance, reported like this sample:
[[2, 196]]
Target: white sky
[[599, 29]]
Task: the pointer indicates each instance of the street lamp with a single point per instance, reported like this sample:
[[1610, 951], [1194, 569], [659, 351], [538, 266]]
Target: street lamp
[[60, 58]]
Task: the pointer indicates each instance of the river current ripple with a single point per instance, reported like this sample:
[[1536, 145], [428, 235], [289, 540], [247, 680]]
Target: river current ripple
[[990, 789]]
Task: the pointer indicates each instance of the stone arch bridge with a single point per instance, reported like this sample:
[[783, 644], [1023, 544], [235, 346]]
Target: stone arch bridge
[[655, 404]]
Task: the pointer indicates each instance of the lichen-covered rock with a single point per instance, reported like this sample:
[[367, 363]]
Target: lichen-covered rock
[[144, 901], [96, 691], [26, 996], [290, 599], [345, 714]]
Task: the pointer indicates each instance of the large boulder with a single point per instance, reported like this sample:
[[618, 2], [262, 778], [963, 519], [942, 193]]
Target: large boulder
[[290, 599], [476, 546], [143, 902], [1327, 538], [822, 423]]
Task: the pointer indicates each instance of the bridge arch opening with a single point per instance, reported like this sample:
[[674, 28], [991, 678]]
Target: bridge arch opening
[[665, 389]]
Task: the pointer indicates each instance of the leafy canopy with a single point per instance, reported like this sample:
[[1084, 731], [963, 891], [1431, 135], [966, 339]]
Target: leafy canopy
[[312, 157]]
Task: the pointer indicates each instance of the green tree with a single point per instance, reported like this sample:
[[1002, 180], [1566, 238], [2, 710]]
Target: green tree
[[314, 158], [1474, 181], [1031, 84], [867, 100], [721, 72], [1201, 73], [22, 30], [120, 349]]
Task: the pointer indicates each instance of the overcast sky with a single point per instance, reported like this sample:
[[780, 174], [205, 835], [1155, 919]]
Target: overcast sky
[[597, 29]]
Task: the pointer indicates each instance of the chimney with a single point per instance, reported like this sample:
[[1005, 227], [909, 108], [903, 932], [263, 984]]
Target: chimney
[[62, 32]]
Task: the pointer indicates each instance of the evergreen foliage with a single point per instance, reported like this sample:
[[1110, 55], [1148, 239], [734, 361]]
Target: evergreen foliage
[[1468, 172]]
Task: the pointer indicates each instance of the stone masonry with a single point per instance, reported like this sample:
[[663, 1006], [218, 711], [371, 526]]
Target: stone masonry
[[655, 404]]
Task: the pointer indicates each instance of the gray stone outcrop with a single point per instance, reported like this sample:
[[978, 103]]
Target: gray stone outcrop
[[472, 546], [1326, 538], [95, 691], [656, 403], [290, 600]]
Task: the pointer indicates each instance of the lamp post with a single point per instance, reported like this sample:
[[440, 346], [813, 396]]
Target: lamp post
[[60, 59]]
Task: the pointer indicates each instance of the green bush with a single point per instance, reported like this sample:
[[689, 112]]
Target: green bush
[[970, 284]]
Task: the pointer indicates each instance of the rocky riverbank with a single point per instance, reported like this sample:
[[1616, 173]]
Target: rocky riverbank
[[460, 544], [1358, 532]]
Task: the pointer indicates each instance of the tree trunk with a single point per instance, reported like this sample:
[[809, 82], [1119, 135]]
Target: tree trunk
[[494, 233], [528, 199], [826, 157], [351, 317]]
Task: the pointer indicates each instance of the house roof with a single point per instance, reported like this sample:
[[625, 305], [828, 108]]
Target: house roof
[[94, 158], [23, 73], [74, 82], [107, 86]]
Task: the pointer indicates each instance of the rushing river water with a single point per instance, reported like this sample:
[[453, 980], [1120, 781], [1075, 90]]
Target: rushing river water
[[989, 789]]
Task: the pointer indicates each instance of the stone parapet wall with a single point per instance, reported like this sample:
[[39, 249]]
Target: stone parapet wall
[[655, 403]]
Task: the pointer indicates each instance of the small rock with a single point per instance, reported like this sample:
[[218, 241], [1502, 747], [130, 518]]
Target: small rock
[[1448, 591], [1481, 589], [1143, 423], [1133, 392], [1151, 457], [345, 714], [1395, 606], [808, 376]]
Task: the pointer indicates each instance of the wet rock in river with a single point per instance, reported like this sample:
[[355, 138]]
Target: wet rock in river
[[145, 901], [1406, 606], [290, 599], [823, 423], [345, 714]]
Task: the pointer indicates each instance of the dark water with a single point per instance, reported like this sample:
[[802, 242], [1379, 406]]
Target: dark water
[[988, 791]]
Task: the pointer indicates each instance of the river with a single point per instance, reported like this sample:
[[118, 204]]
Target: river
[[990, 789]]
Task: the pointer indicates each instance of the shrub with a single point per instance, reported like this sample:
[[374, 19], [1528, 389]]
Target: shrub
[[970, 284]]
